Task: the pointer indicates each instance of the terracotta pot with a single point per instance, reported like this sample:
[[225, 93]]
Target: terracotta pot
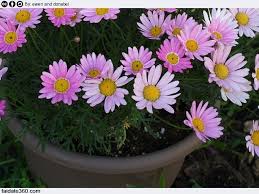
[[59, 168]]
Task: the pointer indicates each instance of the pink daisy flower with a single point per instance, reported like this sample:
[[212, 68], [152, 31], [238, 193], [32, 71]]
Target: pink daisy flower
[[196, 42], [2, 70], [137, 60], [160, 10], [252, 140], [227, 73], [221, 26], [11, 37], [178, 24], [107, 89], [172, 53], [60, 16], [152, 92], [93, 67], [22, 16], [247, 19], [95, 15], [76, 18], [153, 25], [204, 121], [256, 74], [60, 83], [2, 108]]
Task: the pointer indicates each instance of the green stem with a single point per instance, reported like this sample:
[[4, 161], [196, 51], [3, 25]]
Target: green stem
[[44, 41], [36, 45], [7, 162], [170, 124], [118, 27], [69, 45]]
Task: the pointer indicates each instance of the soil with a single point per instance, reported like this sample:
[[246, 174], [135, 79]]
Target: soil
[[141, 142]]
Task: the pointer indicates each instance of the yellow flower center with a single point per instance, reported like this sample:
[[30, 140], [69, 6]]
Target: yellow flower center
[[221, 71], [155, 31], [257, 74], [61, 85], [177, 31], [10, 37], [137, 66], [242, 18], [255, 138], [107, 87], [217, 35], [59, 12], [151, 93], [23, 16], [94, 73], [198, 124], [172, 58], [192, 45], [101, 11]]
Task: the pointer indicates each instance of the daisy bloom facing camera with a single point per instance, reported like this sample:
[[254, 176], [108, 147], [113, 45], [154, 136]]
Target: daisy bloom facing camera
[[204, 121], [61, 83], [136, 60], [228, 73], [153, 25], [107, 89], [94, 66], [22, 16], [248, 21], [222, 27], [196, 42], [11, 38], [172, 53], [152, 91]]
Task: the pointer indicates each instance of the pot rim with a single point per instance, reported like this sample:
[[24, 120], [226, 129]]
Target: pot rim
[[107, 165]]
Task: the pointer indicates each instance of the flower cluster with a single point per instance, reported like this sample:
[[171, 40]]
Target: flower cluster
[[153, 87], [68, 16], [99, 80]]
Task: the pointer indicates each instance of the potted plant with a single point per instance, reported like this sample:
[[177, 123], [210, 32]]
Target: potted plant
[[91, 103]]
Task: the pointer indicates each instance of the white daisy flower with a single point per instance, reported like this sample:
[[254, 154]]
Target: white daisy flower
[[227, 73], [237, 97], [247, 19], [152, 92]]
